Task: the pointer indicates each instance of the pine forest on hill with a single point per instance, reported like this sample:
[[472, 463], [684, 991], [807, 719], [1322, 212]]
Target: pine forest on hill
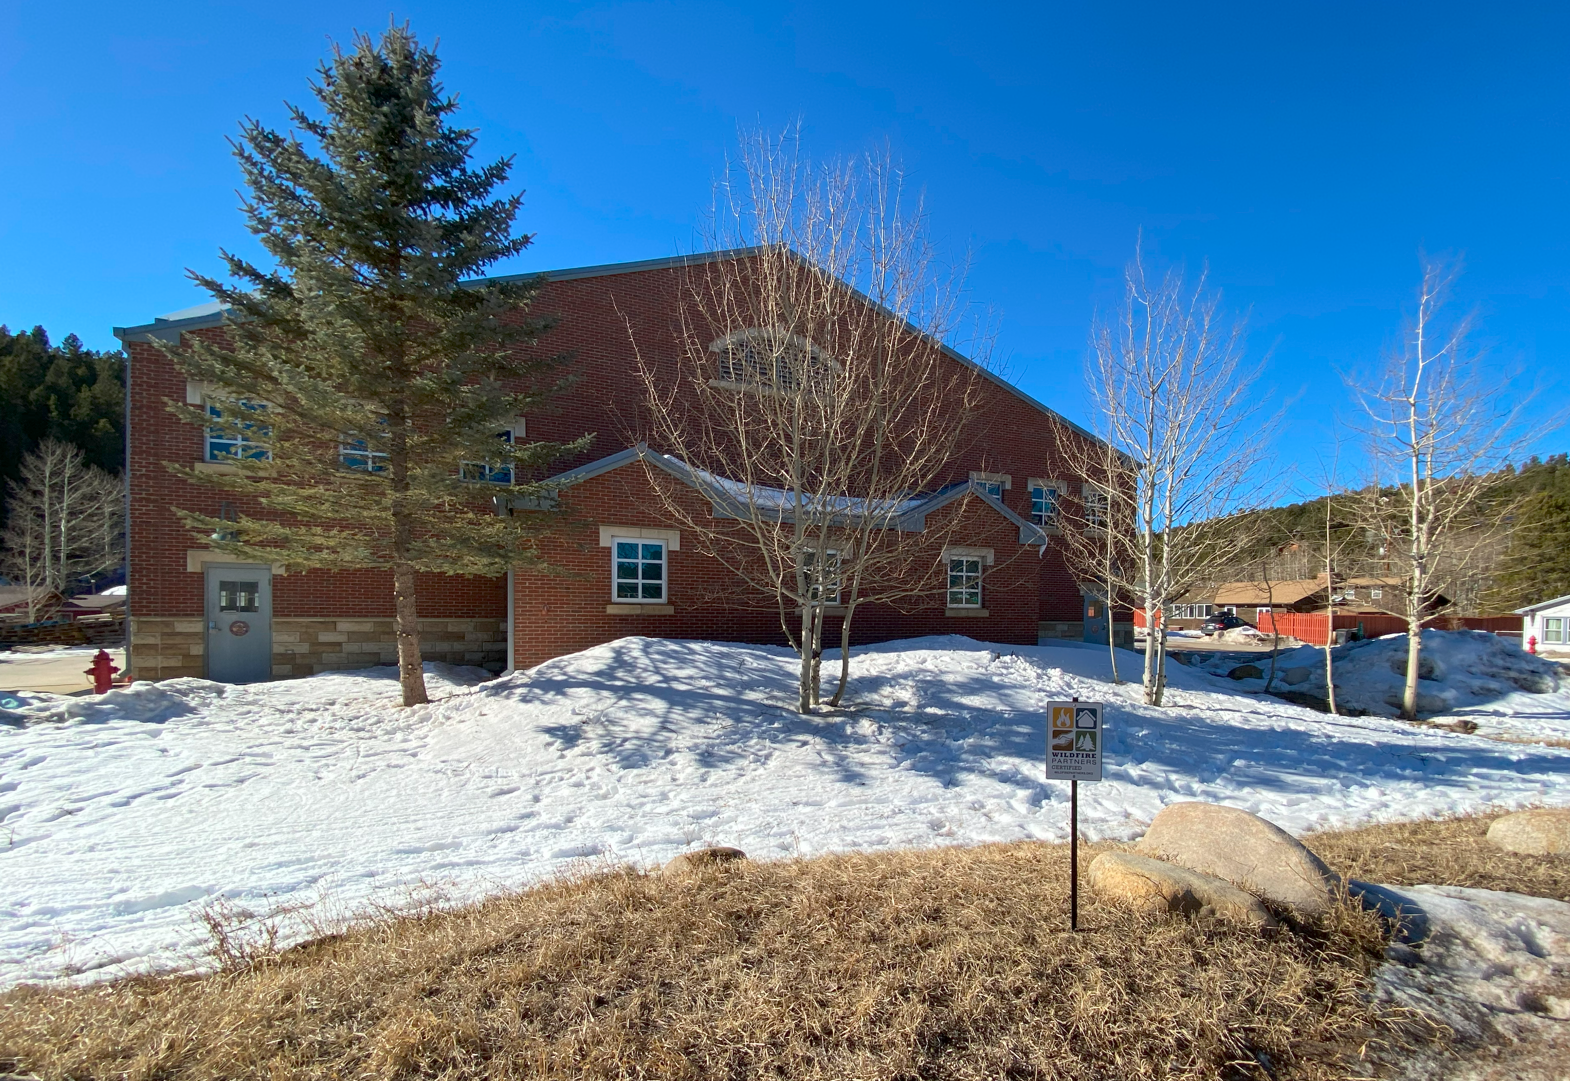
[[1529, 563], [62, 392]]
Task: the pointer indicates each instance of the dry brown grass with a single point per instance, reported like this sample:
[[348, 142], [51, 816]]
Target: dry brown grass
[[950, 963], [1444, 852]]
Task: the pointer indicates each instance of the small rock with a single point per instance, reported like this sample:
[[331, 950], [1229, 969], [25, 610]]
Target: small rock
[[1247, 671], [702, 859], [1245, 850], [1532, 833], [1147, 885], [1299, 674]]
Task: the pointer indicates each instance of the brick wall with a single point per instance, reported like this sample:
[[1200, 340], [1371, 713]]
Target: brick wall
[[567, 611], [599, 318]]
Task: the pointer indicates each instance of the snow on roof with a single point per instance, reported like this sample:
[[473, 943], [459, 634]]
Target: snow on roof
[[738, 499], [212, 307]]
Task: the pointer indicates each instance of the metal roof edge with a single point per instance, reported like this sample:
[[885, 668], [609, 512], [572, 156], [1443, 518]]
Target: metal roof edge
[[607, 270], [169, 330], [592, 469]]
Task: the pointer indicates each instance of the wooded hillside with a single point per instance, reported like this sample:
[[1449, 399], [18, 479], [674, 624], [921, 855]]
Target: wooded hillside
[[1532, 563], [62, 392]]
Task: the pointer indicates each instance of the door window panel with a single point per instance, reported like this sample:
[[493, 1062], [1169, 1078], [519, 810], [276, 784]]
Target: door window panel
[[238, 596]]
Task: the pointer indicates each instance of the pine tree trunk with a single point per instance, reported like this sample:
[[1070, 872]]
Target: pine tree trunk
[[411, 673]]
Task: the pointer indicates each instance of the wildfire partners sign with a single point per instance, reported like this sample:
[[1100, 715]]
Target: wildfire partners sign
[[1073, 741]]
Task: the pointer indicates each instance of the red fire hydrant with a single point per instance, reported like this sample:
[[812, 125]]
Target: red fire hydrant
[[1531, 643], [102, 671]]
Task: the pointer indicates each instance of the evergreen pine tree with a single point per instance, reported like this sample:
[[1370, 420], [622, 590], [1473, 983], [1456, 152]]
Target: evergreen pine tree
[[62, 392], [364, 379], [1536, 564]]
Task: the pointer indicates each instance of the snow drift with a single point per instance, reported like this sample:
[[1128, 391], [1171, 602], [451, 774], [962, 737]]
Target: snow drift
[[123, 816]]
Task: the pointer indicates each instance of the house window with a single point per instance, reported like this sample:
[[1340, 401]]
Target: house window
[[224, 444], [1191, 611], [1349, 593], [1096, 505], [1375, 594], [1554, 629], [356, 453], [1044, 504], [499, 472], [823, 582], [964, 582], [637, 570], [993, 484]]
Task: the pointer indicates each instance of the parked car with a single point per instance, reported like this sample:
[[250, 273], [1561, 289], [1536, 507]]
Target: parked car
[[1223, 621]]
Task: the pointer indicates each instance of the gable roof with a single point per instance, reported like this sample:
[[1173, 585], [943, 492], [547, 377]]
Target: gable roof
[[169, 327], [732, 499]]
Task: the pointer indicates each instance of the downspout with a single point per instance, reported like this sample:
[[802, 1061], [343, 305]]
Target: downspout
[[130, 601], [512, 658]]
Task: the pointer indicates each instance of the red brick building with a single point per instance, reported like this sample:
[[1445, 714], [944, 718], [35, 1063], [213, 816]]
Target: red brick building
[[195, 613]]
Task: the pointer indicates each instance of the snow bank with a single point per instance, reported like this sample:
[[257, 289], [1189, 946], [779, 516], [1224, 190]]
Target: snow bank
[[122, 816], [1495, 967], [1471, 674]]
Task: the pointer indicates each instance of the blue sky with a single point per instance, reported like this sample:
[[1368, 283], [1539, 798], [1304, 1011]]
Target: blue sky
[[1306, 153]]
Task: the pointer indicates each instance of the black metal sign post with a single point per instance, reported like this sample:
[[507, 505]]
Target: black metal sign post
[[1073, 755], [1073, 856]]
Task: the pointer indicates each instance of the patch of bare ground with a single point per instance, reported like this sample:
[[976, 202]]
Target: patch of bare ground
[[944, 963], [1440, 852]]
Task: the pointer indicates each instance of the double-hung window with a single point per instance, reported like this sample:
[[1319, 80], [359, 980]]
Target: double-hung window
[[1554, 630], [247, 439], [357, 453], [1044, 504], [1096, 505], [637, 570], [823, 577], [964, 582], [497, 472], [993, 484]]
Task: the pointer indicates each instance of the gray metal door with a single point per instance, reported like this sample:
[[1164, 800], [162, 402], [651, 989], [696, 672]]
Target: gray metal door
[[1095, 619], [239, 622]]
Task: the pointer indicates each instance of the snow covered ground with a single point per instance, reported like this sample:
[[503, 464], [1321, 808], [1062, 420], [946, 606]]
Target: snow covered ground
[[1463, 674], [1494, 967], [123, 817]]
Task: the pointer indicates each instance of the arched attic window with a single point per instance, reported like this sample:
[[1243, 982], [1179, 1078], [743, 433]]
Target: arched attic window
[[769, 358]]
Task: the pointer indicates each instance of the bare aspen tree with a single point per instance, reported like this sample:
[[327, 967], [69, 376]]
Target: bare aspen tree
[[65, 523], [1330, 609], [1169, 390], [1275, 628], [1439, 427], [814, 399]]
